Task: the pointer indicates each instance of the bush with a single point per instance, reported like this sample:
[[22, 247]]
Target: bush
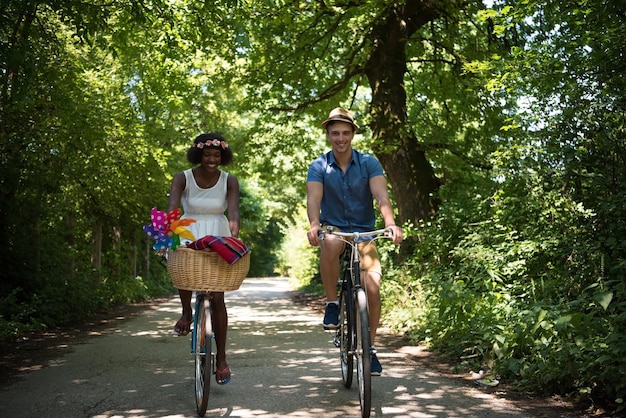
[[519, 286]]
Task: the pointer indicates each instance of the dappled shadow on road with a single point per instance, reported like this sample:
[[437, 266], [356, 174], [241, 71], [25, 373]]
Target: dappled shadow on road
[[283, 365], [39, 350]]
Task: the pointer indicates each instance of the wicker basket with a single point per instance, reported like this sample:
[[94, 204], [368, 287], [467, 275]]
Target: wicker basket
[[205, 270]]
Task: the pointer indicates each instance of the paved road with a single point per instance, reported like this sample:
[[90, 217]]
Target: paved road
[[283, 365]]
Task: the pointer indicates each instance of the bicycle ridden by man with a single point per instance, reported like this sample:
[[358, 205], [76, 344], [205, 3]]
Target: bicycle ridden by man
[[341, 187]]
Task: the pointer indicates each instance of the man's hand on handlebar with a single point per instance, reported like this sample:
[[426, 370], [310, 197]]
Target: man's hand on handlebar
[[317, 233], [396, 233], [314, 235]]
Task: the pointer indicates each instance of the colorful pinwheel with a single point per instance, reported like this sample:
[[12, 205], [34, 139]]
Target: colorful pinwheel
[[167, 229]]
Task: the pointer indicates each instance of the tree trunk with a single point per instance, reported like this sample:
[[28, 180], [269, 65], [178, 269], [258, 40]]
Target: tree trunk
[[411, 176]]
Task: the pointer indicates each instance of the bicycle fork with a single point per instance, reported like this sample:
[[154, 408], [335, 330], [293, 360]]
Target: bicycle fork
[[204, 329]]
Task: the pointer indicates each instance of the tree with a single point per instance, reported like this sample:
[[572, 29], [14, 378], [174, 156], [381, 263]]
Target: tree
[[526, 274], [99, 102], [398, 65]]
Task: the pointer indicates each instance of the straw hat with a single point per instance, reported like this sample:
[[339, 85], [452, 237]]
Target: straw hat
[[339, 114]]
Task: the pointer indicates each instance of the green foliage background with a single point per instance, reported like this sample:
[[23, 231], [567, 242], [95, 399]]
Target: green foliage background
[[518, 106]]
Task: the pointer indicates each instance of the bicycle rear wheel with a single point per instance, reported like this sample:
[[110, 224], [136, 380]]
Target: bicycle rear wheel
[[362, 353], [202, 334], [346, 336]]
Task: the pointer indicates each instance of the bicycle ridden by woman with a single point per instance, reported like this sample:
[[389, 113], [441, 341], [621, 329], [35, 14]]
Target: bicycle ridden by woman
[[341, 187], [206, 193]]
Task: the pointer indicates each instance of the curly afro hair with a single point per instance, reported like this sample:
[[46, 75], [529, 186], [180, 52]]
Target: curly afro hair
[[194, 154]]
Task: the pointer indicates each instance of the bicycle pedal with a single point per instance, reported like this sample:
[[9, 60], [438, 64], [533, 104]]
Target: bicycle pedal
[[337, 338]]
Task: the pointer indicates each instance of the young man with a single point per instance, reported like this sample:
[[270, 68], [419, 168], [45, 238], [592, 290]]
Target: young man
[[341, 187]]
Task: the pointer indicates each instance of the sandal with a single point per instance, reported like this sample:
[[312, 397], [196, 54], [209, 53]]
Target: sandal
[[222, 376], [182, 327]]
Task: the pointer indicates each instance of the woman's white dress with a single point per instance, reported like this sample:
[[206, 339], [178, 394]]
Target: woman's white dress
[[206, 206]]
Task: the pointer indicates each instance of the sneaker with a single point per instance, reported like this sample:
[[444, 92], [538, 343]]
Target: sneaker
[[331, 317], [376, 367]]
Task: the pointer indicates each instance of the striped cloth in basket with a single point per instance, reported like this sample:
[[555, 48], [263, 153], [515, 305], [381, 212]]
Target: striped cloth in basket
[[231, 249]]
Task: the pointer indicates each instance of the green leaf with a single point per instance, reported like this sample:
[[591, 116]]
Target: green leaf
[[604, 299], [563, 321]]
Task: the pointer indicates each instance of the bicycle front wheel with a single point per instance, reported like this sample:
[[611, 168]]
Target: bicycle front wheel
[[202, 334], [346, 336], [362, 353]]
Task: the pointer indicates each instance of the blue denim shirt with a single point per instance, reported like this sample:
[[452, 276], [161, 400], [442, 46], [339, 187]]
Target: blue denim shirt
[[347, 201]]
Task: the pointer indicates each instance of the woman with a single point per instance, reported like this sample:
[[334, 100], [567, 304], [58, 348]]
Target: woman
[[205, 193]]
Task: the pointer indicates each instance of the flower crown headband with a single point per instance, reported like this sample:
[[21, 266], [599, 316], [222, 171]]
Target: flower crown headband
[[212, 143]]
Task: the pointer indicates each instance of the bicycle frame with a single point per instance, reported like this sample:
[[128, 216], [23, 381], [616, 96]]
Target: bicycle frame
[[353, 335], [351, 239]]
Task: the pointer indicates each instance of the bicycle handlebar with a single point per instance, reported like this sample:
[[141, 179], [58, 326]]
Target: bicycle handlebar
[[386, 232]]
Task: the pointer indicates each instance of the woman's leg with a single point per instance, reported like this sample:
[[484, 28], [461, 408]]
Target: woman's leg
[[183, 325], [220, 326]]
